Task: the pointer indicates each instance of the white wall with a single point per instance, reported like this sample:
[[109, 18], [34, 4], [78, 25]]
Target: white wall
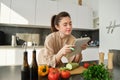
[[109, 11]]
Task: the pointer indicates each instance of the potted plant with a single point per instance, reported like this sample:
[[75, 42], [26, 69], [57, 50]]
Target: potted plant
[[96, 72]]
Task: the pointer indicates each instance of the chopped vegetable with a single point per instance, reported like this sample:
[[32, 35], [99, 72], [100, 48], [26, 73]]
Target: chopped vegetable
[[63, 68], [71, 66]]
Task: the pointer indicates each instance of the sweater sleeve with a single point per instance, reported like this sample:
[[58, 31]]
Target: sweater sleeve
[[47, 54]]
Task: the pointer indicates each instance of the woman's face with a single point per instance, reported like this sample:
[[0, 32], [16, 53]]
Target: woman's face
[[65, 25]]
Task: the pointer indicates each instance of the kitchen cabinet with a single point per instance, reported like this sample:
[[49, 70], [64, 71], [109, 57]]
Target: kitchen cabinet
[[45, 9], [2, 57], [10, 57], [90, 54], [40, 12], [14, 56], [5, 11], [84, 17], [22, 12], [69, 6]]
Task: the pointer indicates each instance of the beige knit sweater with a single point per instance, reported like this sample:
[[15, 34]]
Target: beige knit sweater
[[52, 45]]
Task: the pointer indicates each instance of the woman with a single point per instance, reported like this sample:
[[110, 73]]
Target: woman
[[59, 42]]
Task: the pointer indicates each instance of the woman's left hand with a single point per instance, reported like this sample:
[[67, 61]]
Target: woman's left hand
[[84, 46]]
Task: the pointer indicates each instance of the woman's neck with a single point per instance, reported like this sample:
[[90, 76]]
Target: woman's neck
[[62, 35]]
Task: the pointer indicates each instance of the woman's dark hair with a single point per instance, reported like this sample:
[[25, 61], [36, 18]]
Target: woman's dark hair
[[56, 19]]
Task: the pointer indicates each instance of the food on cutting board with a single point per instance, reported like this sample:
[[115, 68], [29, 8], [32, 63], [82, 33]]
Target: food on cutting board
[[86, 65], [70, 66]]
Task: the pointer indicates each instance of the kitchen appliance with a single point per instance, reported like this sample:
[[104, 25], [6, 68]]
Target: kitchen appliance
[[13, 42], [30, 38], [2, 38]]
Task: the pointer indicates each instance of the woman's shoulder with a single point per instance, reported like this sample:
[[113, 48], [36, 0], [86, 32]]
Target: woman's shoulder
[[52, 35]]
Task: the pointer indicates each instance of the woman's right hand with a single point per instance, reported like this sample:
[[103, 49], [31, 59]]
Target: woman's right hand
[[66, 49]]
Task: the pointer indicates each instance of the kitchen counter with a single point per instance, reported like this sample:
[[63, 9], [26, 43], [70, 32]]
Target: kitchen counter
[[16, 47], [40, 46], [14, 73]]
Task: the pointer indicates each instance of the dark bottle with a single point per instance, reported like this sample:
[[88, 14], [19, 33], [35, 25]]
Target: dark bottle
[[34, 67], [25, 71]]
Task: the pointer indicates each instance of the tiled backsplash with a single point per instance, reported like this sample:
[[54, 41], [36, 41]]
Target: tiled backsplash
[[9, 31]]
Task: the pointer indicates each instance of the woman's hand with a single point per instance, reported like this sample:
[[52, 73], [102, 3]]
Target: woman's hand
[[84, 46], [66, 49], [62, 52]]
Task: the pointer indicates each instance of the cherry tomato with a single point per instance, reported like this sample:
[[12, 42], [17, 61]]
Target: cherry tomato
[[65, 74], [86, 65]]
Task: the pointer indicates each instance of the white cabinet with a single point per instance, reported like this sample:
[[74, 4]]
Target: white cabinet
[[10, 57], [90, 54], [22, 12], [84, 17], [4, 11], [69, 6], [45, 9], [2, 57], [14, 56], [40, 12]]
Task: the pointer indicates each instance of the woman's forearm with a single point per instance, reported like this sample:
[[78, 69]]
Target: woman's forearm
[[58, 57]]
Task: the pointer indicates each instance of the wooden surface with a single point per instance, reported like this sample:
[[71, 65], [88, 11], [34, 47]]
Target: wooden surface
[[78, 70]]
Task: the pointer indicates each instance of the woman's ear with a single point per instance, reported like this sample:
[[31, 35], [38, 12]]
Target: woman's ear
[[57, 27]]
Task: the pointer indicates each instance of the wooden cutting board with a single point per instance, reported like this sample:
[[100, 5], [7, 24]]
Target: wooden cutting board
[[78, 70]]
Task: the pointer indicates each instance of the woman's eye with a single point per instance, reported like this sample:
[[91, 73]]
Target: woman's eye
[[70, 24], [65, 24]]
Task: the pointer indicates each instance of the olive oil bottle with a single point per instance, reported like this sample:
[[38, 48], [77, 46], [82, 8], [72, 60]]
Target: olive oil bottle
[[25, 71], [34, 67]]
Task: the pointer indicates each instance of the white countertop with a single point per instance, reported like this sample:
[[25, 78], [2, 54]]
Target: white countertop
[[9, 46], [30, 47]]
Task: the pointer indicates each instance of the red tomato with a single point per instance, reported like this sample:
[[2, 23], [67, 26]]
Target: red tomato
[[53, 75], [53, 69], [65, 74], [86, 65]]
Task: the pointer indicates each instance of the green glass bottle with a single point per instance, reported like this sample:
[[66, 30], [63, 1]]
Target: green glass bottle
[[25, 70], [34, 67]]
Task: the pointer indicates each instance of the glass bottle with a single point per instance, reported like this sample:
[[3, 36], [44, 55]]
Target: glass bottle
[[34, 67], [25, 71]]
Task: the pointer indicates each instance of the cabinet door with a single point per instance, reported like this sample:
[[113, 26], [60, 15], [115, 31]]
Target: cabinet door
[[4, 11], [2, 57], [22, 12], [10, 57], [69, 6], [44, 11], [90, 54], [84, 17], [19, 56]]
